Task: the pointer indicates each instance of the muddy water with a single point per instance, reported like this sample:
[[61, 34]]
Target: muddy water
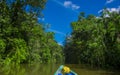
[[49, 69]]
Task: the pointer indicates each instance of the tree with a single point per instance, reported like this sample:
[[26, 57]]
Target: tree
[[22, 38], [94, 41]]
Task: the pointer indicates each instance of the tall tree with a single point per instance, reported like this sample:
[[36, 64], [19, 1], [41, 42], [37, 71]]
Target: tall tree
[[22, 38], [95, 41]]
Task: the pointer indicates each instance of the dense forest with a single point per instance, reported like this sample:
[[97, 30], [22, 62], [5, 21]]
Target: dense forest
[[22, 38], [95, 40]]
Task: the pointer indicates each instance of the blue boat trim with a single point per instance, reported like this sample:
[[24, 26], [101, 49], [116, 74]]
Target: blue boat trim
[[58, 72]]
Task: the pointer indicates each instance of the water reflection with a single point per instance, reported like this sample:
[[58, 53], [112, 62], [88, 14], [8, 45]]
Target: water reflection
[[49, 69]]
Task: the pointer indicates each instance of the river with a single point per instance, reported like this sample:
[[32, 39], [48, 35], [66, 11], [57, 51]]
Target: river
[[49, 69]]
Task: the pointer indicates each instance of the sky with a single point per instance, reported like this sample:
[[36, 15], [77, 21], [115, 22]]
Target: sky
[[60, 13]]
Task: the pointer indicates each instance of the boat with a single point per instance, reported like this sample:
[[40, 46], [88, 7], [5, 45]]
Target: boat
[[68, 71]]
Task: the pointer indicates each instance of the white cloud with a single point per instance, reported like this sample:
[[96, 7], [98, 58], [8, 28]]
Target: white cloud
[[107, 15], [114, 9], [117, 10], [58, 32], [111, 10], [109, 1], [69, 4]]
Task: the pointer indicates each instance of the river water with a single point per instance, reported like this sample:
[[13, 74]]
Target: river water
[[49, 69]]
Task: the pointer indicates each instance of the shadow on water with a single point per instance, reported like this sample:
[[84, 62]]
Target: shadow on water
[[49, 69]]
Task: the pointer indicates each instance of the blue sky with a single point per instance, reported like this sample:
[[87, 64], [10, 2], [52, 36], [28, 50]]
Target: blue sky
[[60, 13]]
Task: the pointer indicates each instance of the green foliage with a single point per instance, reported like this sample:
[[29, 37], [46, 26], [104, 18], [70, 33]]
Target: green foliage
[[17, 51], [94, 41], [2, 46], [2, 49], [22, 38]]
